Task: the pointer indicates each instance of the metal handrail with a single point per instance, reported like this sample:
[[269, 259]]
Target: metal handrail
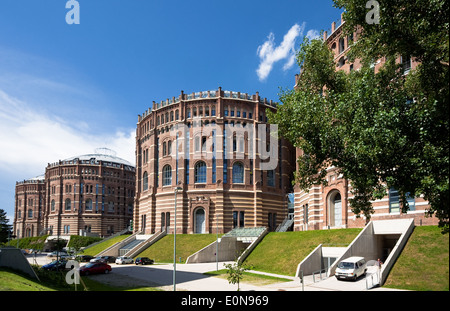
[[319, 272]]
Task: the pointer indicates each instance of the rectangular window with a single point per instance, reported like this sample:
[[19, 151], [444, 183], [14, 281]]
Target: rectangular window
[[187, 171], [411, 201], [406, 64], [394, 201], [213, 170], [241, 219]]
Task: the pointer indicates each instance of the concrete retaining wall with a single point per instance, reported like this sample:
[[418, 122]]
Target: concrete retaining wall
[[229, 249], [312, 262], [11, 257]]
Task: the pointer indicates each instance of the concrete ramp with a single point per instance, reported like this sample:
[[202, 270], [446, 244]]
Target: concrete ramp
[[384, 239]]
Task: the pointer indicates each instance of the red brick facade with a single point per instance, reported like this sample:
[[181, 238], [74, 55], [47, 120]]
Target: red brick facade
[[223, 184], [91, 193], [328, 207]]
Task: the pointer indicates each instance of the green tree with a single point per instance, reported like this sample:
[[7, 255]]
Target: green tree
[[5, 227], [235, 273], [383, 129]]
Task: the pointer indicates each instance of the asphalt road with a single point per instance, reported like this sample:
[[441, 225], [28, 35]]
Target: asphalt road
[[190, 277]]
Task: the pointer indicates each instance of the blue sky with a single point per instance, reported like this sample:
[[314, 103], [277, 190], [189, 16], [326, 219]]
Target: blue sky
[[68, 89]]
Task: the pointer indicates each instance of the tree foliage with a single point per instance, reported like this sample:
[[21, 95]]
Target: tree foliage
[[5, 227], [380, 130]]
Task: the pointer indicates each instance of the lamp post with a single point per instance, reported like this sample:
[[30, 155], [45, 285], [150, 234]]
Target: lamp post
[[175, 240]]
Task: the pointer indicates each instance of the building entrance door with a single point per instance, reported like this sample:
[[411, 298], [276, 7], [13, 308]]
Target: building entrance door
[[200, 221]]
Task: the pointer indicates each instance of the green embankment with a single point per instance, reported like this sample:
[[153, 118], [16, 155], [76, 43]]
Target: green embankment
[[94, 250], [424, 262], [187, 244], [281, 252]]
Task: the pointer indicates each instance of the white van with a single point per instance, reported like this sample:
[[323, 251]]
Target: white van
[[351, 268]]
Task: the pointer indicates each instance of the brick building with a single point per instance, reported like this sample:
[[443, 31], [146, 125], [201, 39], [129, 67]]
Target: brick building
[[216, 147], [328, 207], [88, 194], [29, 207]]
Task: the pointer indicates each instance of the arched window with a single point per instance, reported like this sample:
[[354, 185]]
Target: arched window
[[238, 173], [89, 205], [67, 205], [145, 181], [53, 206], [167, 175], [200, 172]]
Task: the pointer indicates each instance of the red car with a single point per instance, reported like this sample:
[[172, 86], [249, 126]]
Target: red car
[[95, 268]]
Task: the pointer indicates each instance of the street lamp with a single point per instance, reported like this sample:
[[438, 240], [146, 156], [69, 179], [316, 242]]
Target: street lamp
[[175, 240]]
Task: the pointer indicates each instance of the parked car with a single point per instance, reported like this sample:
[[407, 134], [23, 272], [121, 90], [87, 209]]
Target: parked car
[[55, 265], [98, 259], [143, 261], [123, 260], [351, 268], [55, 253], [103, 259], [95, 268], [84, 258]]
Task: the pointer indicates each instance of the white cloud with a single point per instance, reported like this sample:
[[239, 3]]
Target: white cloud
[[270, 54], [312, 34], [31, 138]]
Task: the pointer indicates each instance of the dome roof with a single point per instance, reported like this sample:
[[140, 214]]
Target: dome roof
[[102, 154]]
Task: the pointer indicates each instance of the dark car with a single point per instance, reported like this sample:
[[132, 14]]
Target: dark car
[[84, 258], [143, 261], [110, 259], [95, 268], [104, 259], [55, 265]]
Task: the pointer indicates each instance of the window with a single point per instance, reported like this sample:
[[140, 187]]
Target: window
[[238, 219], [394, 201], [341, 45], [225, 113], [411, 201], [213, 111], [167, 175], [53, 206], [188, 113], [271, 178], [145, 181], [200, 172], [238, 173], [88, 205], [406, 64], [30, 213], [67, 205]]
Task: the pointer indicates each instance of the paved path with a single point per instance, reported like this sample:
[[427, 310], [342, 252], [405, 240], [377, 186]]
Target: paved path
[[191, 277]]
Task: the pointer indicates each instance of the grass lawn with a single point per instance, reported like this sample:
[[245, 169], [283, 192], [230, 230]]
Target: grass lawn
[[251, 278], [281, 252], [94, 250], [12, 281], [424, 262], [187, 244], [55, 281]]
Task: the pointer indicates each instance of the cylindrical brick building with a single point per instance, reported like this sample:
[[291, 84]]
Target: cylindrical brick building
[[217, 149], [92, 193]]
